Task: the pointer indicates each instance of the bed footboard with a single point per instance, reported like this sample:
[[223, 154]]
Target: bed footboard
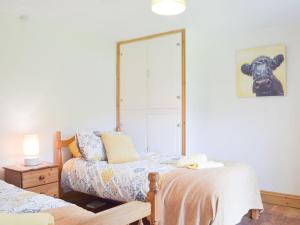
[[121, 215], [153, 198]]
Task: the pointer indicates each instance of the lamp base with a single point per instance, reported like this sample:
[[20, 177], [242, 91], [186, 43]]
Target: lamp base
[[32, 161]]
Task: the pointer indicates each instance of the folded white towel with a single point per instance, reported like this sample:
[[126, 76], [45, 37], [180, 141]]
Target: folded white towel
[[197, 162], [210, 164], [192, 159]]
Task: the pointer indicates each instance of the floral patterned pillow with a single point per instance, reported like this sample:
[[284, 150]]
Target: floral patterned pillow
[[91, 146]]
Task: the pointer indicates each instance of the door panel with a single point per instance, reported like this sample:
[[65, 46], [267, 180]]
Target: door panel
[[164, 75], [134, 124], [163, 132], [133, 78]]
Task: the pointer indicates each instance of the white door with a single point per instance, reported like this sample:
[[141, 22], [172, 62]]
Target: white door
[[150, 93]]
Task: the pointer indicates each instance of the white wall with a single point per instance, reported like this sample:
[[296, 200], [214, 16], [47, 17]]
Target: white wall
[[263, 132], [51, 78]]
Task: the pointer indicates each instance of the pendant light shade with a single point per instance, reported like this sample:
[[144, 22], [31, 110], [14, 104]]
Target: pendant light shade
[[168, 7]]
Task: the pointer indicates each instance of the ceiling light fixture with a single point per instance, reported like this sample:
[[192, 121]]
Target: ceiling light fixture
[[168, 7]]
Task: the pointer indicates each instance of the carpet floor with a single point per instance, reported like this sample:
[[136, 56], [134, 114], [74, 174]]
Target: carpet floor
[[275, 215]]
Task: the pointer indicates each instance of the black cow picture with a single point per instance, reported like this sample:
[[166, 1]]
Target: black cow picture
[[261, 70]]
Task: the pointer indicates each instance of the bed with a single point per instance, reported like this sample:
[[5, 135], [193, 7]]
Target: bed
[[16, 200], [218, 196], [119, 182]]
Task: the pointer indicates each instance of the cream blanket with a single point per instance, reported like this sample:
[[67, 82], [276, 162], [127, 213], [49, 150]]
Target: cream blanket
[[26, 219], [218, 196]]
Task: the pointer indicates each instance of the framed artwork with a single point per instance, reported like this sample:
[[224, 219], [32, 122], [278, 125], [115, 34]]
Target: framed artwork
[[261, 71]]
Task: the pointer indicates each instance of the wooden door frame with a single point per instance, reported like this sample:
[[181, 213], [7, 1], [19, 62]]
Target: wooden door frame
[[183, 79]]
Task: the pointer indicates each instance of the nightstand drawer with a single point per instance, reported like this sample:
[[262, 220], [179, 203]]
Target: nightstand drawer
[[47, 189], [39, 177]]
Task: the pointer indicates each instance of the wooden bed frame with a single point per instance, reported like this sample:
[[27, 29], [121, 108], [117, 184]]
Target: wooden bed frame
[[153, 194]]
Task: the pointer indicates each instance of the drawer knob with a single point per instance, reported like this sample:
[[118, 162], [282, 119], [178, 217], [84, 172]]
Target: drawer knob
[[42, 177]]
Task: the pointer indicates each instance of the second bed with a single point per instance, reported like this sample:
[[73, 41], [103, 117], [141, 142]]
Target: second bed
[[215, 196]]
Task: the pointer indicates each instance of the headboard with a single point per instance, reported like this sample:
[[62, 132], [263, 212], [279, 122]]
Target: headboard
[[60, 145]]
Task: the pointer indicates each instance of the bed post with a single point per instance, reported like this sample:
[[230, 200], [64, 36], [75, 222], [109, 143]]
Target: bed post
[[58, 158], [153, 198], [254, 214], [58, 154]]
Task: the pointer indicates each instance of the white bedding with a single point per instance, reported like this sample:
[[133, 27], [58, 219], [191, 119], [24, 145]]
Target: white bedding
[[120, 182], [17, 200]]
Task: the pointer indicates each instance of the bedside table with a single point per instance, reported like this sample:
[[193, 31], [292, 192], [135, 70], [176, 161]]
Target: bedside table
[[42, 179]]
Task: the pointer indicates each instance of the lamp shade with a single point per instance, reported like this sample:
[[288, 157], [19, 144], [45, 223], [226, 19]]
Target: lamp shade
[[31, 149], [168, 7]]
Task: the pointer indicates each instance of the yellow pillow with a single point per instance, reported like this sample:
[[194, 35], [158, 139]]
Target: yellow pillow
[[119, 148], [74, 149]]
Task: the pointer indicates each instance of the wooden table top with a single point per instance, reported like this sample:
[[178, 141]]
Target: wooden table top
[[23, 168]]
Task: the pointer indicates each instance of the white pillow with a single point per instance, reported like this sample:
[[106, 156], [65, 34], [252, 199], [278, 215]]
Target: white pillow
[[91, 146]]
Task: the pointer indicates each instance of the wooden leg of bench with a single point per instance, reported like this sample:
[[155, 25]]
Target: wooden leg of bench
[[254, 214]]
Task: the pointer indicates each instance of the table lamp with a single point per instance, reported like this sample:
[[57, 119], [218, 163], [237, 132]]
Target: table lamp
[[31, 150]]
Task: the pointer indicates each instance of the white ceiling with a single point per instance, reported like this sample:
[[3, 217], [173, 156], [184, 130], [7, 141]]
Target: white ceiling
[[121, 19]]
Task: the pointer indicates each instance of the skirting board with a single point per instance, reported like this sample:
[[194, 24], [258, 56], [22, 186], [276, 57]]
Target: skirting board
[[281, 199]]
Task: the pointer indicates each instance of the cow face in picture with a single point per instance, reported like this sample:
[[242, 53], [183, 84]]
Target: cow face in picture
[[264, 81]]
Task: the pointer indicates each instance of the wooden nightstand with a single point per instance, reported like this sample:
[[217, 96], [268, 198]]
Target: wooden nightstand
[[42, 179]]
